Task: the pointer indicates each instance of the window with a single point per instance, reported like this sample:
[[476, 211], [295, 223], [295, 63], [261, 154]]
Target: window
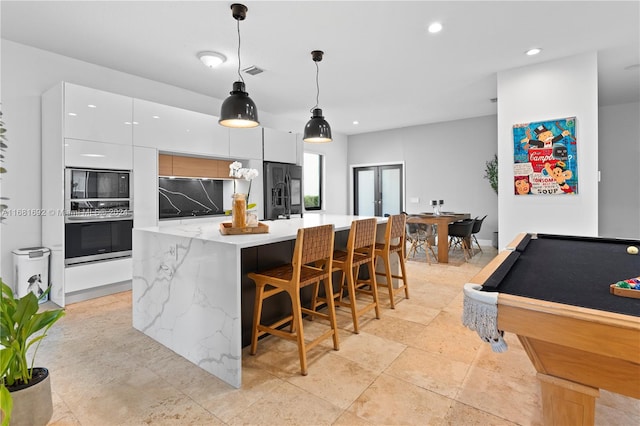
[[312, 181]]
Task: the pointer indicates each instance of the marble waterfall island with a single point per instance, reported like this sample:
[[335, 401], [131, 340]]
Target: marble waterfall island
[[190, 291]]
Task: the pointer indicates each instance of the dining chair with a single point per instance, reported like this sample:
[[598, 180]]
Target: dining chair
[[459, 236], [311, 263], [394, 242], [477, 225], [419, 236], [360, 250]]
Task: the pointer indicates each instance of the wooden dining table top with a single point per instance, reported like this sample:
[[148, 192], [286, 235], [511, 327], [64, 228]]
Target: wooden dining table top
[[443, 220]]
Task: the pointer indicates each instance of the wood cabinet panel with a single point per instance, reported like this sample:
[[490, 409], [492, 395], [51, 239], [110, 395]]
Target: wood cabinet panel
[[195, 167], [223, 168], [165, 165]]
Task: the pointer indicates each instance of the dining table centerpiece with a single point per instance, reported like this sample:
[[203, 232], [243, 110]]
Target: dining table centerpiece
[[242, 178]]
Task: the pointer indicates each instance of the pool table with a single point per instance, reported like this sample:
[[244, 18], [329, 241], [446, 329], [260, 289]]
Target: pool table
[[553, 293]]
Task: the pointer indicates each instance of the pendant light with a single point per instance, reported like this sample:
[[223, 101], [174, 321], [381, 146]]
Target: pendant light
[[317, 129], [238, 110]]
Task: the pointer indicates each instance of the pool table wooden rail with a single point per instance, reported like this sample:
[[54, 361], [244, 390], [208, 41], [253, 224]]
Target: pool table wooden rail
[[575, 350]]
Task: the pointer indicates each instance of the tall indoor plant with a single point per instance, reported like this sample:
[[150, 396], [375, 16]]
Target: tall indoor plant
[[491, 174], [25, 390]]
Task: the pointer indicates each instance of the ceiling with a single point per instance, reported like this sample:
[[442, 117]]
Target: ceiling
[[381, 66]]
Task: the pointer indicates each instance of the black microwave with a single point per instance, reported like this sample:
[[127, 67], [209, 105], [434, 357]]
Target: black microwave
[[96, 194], [84, 184]]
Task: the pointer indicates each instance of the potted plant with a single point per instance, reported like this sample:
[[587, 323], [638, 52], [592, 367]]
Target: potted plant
[[25, 390], [491, 174]]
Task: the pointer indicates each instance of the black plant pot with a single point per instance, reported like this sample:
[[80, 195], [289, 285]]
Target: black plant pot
[[32, 403]]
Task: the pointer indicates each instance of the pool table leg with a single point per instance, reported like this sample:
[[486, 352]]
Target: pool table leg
[[567, 403]]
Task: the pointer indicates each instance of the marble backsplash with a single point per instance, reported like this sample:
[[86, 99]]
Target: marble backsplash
[[188, 197]]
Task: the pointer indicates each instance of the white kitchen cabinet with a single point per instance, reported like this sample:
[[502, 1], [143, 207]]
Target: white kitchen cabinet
[[172, 129], [280, 146], [145, 187], [246, 143], [97, 155], [94, 115], [96, 274]]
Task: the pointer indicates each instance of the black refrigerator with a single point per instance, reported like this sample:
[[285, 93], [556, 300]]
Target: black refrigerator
[[282, 190]]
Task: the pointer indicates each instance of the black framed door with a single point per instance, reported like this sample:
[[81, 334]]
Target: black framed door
[[377, 190]]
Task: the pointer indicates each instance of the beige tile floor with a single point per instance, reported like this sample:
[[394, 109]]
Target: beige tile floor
[[415, 365]]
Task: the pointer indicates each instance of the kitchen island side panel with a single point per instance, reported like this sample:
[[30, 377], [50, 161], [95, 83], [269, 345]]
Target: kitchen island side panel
[[186, 296]]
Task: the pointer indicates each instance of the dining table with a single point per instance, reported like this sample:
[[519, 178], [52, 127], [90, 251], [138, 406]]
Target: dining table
[[442, 222]]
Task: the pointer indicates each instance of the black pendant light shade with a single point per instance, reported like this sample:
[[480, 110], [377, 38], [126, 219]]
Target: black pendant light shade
[[238, 110], [317, 129]]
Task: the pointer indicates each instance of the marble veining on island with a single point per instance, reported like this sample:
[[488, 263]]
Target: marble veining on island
[[187, 283]]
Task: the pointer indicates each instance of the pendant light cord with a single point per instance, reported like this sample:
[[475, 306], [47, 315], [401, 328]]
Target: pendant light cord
[[317, 88], [239, 74]]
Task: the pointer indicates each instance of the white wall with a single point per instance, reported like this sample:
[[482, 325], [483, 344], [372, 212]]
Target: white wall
[[442, 161], [555, 89], [619, 164], [27, 72]]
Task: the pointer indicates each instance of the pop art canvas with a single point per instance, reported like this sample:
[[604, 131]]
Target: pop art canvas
[[545, 157]]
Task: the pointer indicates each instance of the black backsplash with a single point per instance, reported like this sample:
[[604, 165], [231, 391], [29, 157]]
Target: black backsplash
[[182, 197]]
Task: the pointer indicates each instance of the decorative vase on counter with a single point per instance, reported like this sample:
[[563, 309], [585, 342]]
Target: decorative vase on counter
[[239, 210]]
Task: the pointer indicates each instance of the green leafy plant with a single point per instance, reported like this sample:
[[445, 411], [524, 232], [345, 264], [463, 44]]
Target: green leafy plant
[[491, 172], [21, 326]]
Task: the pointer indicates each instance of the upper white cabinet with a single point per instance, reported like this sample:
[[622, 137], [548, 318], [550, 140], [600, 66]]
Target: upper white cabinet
[[168, 128], [280, 146], [94, 115], [98, 155], [246, 143]]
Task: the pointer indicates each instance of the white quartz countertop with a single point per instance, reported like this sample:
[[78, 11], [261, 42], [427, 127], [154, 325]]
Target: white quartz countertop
[[279, 230]]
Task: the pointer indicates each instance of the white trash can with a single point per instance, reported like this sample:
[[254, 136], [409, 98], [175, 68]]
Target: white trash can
[[31, 271]]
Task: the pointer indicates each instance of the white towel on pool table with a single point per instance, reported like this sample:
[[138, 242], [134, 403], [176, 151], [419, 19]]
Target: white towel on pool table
[[480, 314]]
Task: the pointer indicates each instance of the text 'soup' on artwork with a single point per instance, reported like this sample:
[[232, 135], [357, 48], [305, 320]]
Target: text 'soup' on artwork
[[545, 157]]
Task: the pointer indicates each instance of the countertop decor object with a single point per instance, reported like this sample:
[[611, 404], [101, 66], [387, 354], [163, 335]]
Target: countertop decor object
[[240, 199], [227, 229], [317, 129], [239, 110]]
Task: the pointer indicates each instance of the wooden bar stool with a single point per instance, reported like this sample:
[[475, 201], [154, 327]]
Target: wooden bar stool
[[394, 242], [360, 251], [311, 263]]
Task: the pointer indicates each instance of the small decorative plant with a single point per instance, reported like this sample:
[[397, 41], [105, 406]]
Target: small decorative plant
[[236, 171], [491, 172], [19, 323]]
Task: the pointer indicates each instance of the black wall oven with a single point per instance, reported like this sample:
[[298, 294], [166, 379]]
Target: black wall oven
[[93, 241], [99, 215]]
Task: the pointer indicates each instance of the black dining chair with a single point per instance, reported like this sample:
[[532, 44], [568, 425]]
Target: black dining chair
[[460, 235], [477, 225]]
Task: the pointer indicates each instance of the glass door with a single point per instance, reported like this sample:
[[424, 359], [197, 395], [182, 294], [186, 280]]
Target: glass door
[[377, 190]]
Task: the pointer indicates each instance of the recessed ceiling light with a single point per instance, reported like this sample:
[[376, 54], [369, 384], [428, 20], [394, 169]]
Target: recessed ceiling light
[[356, 122], [92, 106], [212, 59], [73, 114], [533, 51], [155, 116], [436, 27]]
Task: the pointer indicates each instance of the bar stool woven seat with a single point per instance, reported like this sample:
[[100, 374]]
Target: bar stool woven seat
[[394, 242], [311, 263], [360, 251]]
